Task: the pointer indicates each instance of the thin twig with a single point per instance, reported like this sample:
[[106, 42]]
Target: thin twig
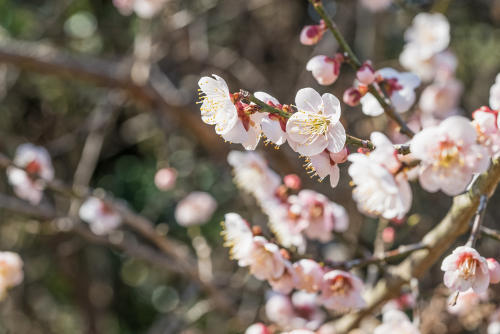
[[478, 221], [490, 233], [353, 60]]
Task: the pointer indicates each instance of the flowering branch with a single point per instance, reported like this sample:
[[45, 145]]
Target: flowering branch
[[356, 64], [384, 257], [478, 221]]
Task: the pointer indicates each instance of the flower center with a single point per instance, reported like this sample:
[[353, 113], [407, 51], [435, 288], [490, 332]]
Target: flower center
[[468, 267], [340, 285], [449, 154], [33, 167], [315, 124]]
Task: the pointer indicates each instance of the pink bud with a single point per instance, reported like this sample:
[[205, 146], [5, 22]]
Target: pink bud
[[312, 34], [388, 235], [494, 269], [165, 178], [352, 96], [324, 69], [340, 157], [366, 74], [258, 328], [292, 181]]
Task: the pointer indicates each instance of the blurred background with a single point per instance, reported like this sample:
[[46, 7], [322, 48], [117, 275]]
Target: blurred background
[[71, 70]]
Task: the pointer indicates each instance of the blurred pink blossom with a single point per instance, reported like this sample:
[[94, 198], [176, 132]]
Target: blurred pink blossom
[[101, 217], [195, 209], [165, 178]]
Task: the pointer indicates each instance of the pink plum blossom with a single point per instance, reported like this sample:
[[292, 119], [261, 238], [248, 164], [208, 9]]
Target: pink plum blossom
[[265, 260], [486, 123], [396, 322], [312, 34], [465, 269], [298, 312], [29, 184], [195, 209], [495, 94], [100, 216], [258, 328], [233, 120], [165, 178], [341, 291], [379, 188], [316, 125], [292, 181], [320, 215], [273, 126], [310, 275], [324, 69], [449, 155], [494, 269], [400, 86], [287, 281], [11, 271], [299, 331], [464, 302]]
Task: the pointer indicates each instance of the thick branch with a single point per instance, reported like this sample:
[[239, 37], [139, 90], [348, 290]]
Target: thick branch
[[438, 241]]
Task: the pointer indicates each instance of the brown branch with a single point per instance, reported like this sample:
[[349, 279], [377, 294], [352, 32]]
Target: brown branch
[[490, 233], [438, 241]]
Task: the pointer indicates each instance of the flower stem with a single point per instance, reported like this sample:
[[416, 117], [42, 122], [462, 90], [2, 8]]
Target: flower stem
[[355, 63], [478, 221]]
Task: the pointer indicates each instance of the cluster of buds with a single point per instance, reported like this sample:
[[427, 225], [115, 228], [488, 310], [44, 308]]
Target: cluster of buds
[[365, 76], [325, 69]]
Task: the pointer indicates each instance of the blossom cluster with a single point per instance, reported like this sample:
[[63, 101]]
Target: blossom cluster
[[338, 290]]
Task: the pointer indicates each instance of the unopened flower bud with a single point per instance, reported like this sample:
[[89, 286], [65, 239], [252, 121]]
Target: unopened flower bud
[[352, 96], [256, 230], [366, 74], [388, 235], [165, 178], [494, 269], [292, 181], [324, 69], [340, 157], [312, 34]]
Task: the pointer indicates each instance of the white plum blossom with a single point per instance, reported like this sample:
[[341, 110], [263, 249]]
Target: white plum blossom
[[324, 69], [316, 125], [287, 281], [11, 271], [233, 120], [449, 155], [430, 32], [495, 94], [441, 98], [258, 328], [400, 87], [396, 322], [487, 123], [252, 174], [380, 189], [341, 291], [237, 236], [465, 269], [326, 164], [28, 183], [195, 209], [273, 126], [100, 216]]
